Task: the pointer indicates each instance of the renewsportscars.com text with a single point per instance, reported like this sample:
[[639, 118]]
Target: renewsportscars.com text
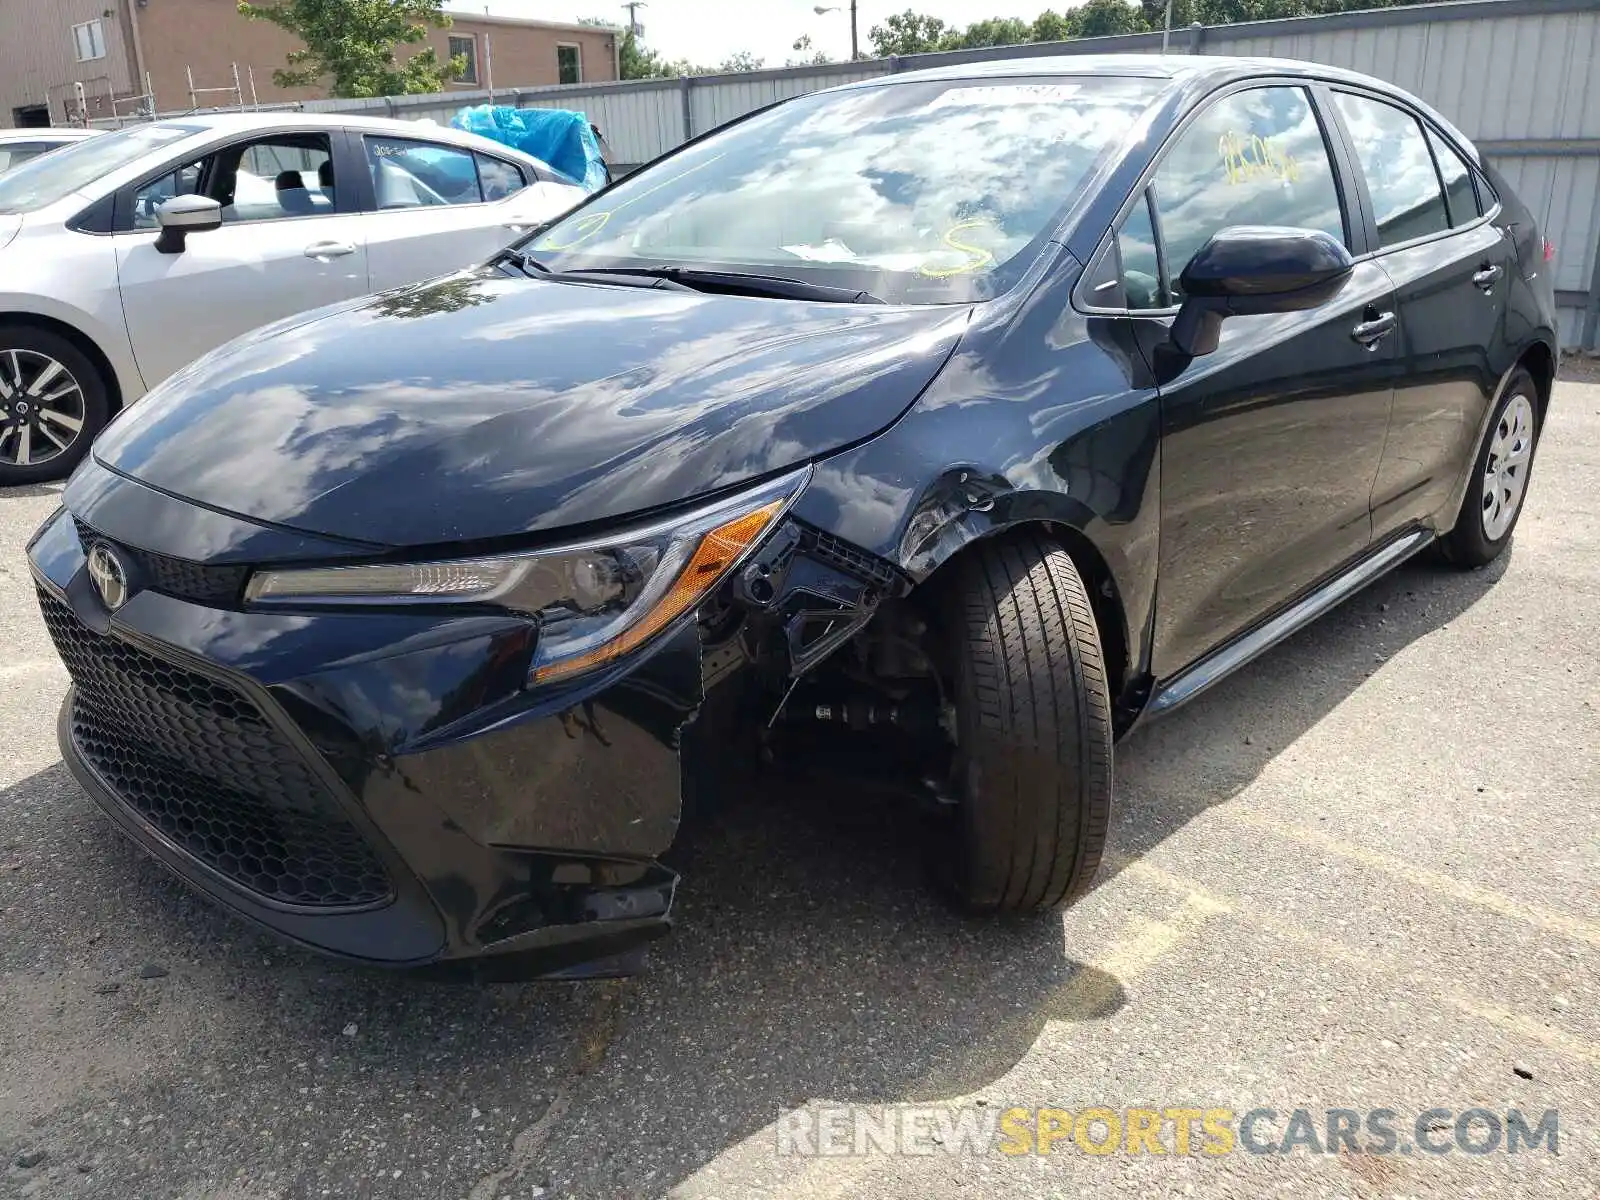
[[845, 1130]]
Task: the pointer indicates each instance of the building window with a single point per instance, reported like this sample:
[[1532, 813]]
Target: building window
[[569, 61], [466, 48], [89, 40]]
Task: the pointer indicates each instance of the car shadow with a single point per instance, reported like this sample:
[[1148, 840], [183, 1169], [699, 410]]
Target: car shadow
[[810, 960], [1173, 769], [34, 491]]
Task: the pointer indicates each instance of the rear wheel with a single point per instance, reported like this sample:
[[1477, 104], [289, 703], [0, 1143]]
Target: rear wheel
[[1499, 482], [53, 401], [1033, 714]]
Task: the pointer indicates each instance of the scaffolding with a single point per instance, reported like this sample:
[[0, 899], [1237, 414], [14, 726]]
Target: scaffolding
[[143, 107], [144, 104], [236, 91], [79, 98]]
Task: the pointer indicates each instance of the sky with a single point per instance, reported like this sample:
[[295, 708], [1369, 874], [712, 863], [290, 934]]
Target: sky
[[708, 31]]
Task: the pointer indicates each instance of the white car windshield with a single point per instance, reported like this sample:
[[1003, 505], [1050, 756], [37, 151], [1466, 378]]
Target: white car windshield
[[54, 176], [919, 192]]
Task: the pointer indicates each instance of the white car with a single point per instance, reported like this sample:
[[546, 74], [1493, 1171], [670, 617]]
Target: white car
[[18, 146], [129, 254]]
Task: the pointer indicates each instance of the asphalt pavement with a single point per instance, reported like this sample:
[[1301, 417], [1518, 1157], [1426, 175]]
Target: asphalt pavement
[[1360, 875]]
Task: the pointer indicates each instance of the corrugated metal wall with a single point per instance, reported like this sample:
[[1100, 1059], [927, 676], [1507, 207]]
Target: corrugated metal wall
[[1517, 76], [713, 104]]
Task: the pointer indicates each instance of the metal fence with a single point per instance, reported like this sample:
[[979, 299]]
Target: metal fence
[[1517, 76]]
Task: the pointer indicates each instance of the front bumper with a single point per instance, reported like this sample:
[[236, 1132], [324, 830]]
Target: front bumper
[[376, 786]]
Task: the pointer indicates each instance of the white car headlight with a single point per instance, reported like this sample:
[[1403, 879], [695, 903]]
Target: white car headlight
[[595, 600]]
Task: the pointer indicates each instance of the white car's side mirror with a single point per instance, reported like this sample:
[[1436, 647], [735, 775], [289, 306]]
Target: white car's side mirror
[[183, 215]]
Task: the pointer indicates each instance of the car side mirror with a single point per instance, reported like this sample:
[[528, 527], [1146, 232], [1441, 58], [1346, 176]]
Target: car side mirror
[[183, 215], [1251, 269]]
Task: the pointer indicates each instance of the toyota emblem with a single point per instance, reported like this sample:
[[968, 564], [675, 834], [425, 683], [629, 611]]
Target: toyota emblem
[[108, 576]]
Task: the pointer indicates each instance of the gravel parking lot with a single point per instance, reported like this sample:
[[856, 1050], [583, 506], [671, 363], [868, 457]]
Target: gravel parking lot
[[1361, 874]]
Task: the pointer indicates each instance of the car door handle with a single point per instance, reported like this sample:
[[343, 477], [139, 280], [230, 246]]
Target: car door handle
[[1486, 277], [1370, 333], [324, 251]]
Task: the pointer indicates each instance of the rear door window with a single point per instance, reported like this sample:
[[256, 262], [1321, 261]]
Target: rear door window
[[1394, 156], [411, 174], [1460, 196], [499, 178]]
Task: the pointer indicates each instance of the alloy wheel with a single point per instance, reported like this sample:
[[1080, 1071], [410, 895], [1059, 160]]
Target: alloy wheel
[[1505, 472], [41, 408]]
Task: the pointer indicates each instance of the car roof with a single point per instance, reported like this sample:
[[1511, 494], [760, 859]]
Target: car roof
[[249, 122], [1178, 69], [1149, 66]]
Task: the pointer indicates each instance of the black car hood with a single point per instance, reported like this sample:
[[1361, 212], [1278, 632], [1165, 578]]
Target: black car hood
[[481, 406]]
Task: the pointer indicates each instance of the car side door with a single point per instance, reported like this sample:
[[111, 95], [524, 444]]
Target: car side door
[[1432, 223], [290, 240], [1270, 443], [437, 208]]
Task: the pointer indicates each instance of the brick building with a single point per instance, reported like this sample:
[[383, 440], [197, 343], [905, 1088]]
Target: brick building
[[111, 46]]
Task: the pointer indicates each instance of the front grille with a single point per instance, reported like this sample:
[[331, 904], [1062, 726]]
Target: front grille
[[199, 760], [204, 584]]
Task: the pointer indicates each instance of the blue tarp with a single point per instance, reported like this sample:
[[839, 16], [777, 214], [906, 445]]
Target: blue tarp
[[562, 138]]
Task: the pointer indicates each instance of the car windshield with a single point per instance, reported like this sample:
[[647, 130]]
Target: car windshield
[[54, 176], [922, 192]]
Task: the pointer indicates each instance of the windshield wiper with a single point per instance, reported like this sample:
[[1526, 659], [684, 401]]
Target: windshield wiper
[[525, 263], [741, 283], [535, 269]]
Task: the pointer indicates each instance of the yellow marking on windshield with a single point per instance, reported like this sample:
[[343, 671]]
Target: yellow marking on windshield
[[1251, 156], [979, 257], [584, 227]]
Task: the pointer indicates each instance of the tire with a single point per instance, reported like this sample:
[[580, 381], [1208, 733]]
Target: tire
[[53, 400], [1504, 463], [1033, 716]]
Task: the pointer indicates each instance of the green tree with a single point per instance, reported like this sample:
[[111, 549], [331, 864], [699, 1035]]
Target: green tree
[[641, 62], [811, 56], [353, 43], [1051, 26], [909, 33], [1103, 18], [635, 60], [994, 31], [735, 63]]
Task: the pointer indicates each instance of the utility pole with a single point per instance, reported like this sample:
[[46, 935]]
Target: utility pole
[[855, 40], [633, 16]]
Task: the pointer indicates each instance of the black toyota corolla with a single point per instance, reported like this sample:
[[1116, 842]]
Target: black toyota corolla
[[931, 431]]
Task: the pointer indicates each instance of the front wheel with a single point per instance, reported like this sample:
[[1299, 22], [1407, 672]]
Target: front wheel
[[1499, 482], [53, 401], [1033, 716]]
